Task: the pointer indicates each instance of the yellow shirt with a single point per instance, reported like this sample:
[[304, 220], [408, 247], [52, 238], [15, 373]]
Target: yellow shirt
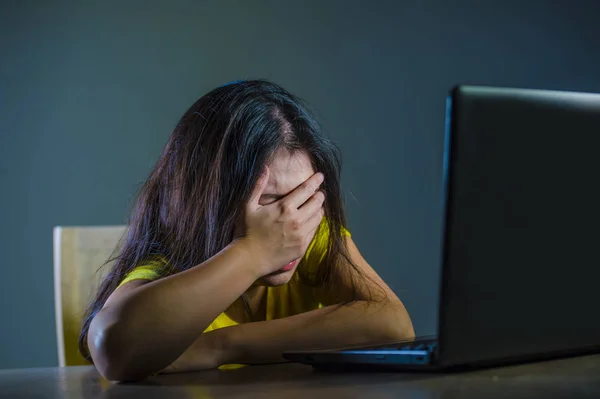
[[282, 301]]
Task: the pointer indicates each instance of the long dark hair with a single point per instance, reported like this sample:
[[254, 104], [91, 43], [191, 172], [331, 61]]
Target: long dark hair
[[187, 210]]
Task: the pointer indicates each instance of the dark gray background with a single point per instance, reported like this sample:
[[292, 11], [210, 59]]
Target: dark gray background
[[90, 91]]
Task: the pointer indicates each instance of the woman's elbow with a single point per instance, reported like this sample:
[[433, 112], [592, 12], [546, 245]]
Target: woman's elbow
[[108, 352], [398, 325]]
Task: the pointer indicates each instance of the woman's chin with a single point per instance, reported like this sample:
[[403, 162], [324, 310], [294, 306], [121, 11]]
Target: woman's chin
[[280, 277], [274, 280]]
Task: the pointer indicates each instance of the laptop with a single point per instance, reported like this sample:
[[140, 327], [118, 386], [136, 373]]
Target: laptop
[[520, 277]]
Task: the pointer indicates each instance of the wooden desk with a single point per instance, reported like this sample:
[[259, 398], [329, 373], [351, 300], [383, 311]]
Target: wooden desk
[[566, 378]]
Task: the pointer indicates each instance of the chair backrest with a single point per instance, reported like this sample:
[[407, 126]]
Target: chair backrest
[[79, 256]]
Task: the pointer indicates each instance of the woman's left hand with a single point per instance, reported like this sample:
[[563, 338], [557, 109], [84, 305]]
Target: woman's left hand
[[207, 352]]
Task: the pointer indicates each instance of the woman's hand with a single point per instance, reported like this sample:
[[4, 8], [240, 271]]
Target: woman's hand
[[279, 233], [209, 351]]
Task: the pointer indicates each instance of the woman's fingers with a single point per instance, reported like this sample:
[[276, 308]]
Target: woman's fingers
[[314, 221], [303, 192], [314, 204], [261, 184]]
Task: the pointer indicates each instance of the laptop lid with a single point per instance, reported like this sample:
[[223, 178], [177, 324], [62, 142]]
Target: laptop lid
[[521, 265]]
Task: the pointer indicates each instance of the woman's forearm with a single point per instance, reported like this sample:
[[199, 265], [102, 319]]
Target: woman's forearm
[[149, 328], [358, 323]]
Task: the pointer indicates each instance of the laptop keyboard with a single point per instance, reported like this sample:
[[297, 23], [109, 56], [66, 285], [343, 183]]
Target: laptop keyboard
[[418, 345]]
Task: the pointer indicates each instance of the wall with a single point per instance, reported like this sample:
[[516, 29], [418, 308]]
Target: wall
[[90, 90]]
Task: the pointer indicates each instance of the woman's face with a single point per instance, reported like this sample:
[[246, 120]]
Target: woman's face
[[287, 172]]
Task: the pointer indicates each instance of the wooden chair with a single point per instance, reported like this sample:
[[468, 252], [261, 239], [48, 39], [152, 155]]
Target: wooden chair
[[79, 254]]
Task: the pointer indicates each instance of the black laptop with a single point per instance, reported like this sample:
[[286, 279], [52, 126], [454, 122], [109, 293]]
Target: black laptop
[[520, 274]]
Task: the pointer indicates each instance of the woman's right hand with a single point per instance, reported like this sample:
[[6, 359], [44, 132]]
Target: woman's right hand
[[280, 232]]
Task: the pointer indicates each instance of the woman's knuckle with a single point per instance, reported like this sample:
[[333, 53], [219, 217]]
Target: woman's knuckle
[[295, 224], [299, 240], [286, 208]]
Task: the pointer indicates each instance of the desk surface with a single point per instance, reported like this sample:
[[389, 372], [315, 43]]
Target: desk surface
[[565, 378]]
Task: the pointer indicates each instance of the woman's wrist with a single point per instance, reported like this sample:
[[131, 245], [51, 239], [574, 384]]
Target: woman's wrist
[[209, 351], [252, 258], [223, 342]]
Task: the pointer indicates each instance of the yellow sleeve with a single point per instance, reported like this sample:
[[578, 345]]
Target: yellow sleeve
[[345, 232], [147, 271]]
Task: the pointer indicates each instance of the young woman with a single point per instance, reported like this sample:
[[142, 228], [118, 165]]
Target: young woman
[[237, 248]]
